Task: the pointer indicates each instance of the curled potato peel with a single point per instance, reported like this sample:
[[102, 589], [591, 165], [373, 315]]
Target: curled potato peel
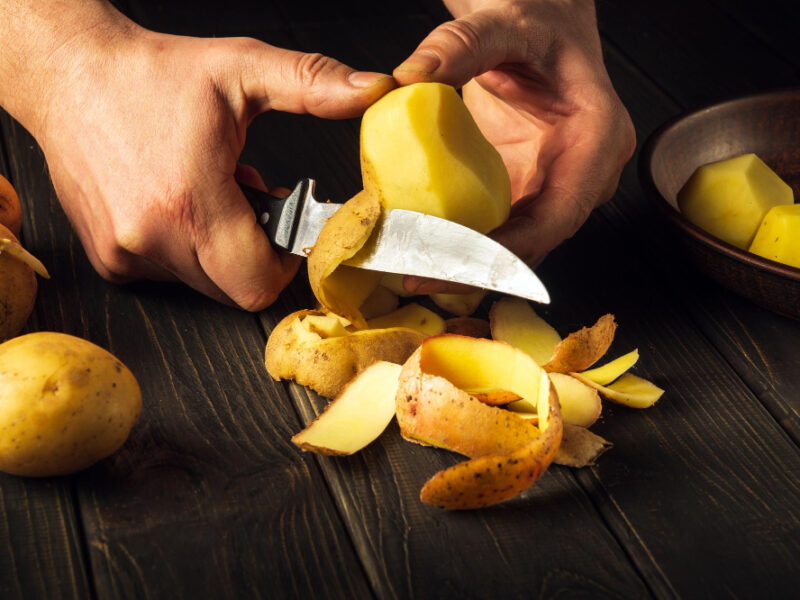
[[339, 288], [326, 364], [433, 407]]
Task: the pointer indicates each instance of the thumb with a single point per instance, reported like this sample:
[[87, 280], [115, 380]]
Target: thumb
[[277, 79], [459, 50], [236, 254]]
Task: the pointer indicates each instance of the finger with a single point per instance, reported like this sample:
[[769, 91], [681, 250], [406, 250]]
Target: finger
[[423, 285], [574, 185], [237, 256], [459, 50], [297, 82]]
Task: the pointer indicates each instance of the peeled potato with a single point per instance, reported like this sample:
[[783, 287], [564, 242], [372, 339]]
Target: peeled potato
[[729, 198], [326, 364], [778, 236], [421, 150], [65, 403]]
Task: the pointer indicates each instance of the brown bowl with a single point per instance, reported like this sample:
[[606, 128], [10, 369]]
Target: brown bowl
[[767, 124]]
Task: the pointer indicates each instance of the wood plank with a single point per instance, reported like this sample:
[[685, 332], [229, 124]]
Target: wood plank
[[691, 49], [642, 515], [207, 498], [757, 343], [40, 542], [407, 547]]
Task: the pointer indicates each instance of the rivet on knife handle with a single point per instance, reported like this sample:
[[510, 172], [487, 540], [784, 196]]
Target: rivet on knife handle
[[278, 216]]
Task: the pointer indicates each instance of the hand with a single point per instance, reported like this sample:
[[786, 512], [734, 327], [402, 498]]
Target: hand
[[142, 134], [534, 81]]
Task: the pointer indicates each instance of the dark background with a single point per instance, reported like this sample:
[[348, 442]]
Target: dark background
[[698, 498]]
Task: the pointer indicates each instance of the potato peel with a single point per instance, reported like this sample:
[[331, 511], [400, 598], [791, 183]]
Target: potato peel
[[343, 290], [582, 348], [580, 447], [513, 321], [488, 480], [629, 390], [358, 414], [327, 364], [509, 452], [610, 371]]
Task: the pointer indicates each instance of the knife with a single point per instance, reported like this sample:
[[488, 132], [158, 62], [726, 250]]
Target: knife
[[404, 242]]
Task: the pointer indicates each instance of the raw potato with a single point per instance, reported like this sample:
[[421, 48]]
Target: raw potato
[[421, 150], [582, 348], [628, 390], [17, 284], [10, 208], [433, 381], [327, 364], [610, 371], [778, 237], [729, 198], [65, 404], [343, 289], [462, 305], [514, 321], [580, 403], [413, 316], [357, 416]]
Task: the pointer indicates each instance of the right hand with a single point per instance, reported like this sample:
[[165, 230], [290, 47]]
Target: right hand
[[142, 133]]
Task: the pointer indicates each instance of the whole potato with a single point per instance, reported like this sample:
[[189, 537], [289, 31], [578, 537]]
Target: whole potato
[[65, 403], [17, 290]]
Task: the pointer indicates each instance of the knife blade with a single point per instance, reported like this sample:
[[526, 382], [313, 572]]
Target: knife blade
[[403, 242]]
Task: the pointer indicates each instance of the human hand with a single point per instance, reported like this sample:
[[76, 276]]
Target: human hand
[[533, 78], [142, 133]]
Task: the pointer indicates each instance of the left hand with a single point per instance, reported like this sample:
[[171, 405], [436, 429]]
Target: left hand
[[534, 80]]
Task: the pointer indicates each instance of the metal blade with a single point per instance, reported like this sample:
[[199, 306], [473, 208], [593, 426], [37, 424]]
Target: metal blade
[[411, 243]]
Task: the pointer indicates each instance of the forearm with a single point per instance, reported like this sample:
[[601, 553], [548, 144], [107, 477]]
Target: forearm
[[44, 42]]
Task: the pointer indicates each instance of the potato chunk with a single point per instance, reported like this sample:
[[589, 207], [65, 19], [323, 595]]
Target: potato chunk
[[421, 150], [729, 198], [778, 238]]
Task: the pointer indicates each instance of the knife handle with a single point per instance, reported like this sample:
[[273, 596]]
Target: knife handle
[[278, 216]]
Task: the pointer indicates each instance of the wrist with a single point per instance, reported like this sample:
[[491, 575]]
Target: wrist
[[49, 44]]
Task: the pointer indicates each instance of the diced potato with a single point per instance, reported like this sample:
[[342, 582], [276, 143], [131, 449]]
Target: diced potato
[[729, 198], [421, 150], [778, 237], [462, 305]]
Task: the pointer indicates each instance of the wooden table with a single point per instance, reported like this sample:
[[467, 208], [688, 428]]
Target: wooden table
[[700, 496]]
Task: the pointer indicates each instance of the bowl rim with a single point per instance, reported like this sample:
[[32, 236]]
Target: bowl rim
[[699, 235]]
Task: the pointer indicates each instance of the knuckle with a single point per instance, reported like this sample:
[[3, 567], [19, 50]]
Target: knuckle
[[463, 33], [310, 67]]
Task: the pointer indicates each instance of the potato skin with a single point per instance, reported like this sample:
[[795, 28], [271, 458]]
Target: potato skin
[[65, 403], [18, 288], [326, 365]]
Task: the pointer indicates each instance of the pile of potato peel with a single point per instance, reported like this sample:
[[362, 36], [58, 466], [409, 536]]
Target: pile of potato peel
[[510, 394]]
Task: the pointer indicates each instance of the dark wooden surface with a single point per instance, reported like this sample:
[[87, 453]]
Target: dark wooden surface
[[699, 498]]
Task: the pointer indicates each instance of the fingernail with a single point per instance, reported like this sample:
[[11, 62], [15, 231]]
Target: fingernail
[[364, 79], [423, 61]]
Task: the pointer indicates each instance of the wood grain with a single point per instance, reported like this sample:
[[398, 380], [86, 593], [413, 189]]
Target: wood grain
[[208, 498]]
